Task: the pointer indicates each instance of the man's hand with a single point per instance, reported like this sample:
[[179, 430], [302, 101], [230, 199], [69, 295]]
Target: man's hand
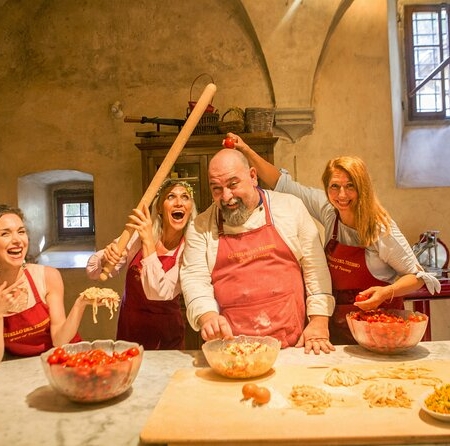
[[316, 336], [214, 326]]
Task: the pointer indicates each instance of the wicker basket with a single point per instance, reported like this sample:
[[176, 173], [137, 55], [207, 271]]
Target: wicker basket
[[259, 119], [192, 104], [236, 124], [207, 124]]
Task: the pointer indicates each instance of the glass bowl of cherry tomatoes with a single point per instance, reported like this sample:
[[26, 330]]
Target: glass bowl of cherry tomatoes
[[91, 372], [243, 356], [387, 331]]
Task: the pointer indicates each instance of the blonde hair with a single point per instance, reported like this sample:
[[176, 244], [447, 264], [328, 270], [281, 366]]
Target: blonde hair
[[370, 215], [156, 204]]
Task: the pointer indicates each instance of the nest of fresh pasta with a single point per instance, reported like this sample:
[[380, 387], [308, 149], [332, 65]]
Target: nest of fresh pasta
[[102, 297]]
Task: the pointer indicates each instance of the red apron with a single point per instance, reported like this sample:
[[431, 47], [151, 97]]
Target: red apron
[[258, 283], [349, 275], [28, 333], [156, 325]]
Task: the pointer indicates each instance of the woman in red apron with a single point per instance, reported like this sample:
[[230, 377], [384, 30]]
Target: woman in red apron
[[32, 315], [156, 325], [350, 276], [366, 251], [150, 311]]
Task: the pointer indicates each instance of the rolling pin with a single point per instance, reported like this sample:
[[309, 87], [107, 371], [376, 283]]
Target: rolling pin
[[166, 166]]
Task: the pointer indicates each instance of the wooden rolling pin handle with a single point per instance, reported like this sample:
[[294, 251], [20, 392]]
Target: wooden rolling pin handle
[[166, 166], [132, 119], [121, 245]]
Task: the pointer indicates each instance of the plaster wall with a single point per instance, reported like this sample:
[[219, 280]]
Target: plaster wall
[[62, 65], [36, 201]]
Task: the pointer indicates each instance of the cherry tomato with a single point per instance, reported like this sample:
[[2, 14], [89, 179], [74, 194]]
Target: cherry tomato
[[133, 351], [413, 317], [261, 395], [53, 359], [248, 390], [360, 297], [90, 358], [229, 142]]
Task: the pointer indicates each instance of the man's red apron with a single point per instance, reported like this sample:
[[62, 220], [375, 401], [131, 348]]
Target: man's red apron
[[349, 275], [28, 333], [258, 283], [156, 325]]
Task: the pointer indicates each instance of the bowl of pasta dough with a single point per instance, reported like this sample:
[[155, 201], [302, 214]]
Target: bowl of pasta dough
[[387, 331], [243, 356], [91, 372]]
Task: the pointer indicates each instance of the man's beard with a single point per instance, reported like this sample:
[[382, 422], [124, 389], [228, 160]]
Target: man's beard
[[235, 217]]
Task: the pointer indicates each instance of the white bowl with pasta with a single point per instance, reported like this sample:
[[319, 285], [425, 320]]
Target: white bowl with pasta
[[436, 402], [243, 356]]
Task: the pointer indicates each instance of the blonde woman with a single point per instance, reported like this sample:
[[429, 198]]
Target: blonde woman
[[150, 310], [366, 252]]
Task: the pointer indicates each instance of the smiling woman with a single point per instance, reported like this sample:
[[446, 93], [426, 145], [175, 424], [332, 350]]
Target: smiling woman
[[150, 311], [32, 313]]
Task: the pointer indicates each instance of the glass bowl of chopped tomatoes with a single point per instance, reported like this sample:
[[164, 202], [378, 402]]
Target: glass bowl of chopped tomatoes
[[90, 372], [387, 331], [243, 356]]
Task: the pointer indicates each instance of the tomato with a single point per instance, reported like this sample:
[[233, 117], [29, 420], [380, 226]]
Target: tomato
[[53, 359], [378, 315], [261, 395], [229, 142], [360, 297], [59, 351], [413, 317], [248, 390], [91, 358], [133, 351]]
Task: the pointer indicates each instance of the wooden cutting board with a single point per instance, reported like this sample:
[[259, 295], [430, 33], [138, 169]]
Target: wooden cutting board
[[199, 406]]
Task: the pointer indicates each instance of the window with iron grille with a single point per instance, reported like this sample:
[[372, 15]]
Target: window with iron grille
[[426, 29]]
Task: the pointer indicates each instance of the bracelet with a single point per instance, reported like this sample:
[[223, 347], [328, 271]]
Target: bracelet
[[392, 296]]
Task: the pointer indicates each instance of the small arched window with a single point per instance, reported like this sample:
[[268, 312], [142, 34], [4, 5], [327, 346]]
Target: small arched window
[[75, 213], [59, 215]]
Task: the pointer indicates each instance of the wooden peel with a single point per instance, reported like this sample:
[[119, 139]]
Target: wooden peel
[[166, 166]]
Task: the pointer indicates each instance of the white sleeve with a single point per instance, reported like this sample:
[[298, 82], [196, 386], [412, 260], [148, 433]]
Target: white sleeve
[[394, 250], [94, 263], [315, 200], [316, 275], [158, 284], [195, 272]]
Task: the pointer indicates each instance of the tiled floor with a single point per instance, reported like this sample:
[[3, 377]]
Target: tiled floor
[[66, 256]]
